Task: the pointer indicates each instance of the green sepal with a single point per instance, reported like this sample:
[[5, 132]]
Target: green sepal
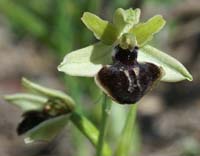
[[86, 61], [103, 30], [26, 101], [124, 20], [144, 31], [49, 93], [174, 71], [46, 130]]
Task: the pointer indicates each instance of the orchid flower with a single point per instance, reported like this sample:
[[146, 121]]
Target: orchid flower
[[124, 66], [44, 110]]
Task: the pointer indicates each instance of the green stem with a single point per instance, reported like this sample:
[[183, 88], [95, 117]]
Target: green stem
[[105, 112], [125, 140], [90, 131]]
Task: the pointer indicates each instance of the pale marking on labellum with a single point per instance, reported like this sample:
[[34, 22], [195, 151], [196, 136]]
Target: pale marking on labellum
[[137, 71], [130, 87]]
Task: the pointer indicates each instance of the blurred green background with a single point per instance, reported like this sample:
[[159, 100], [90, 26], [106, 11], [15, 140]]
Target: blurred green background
[[35, 35]]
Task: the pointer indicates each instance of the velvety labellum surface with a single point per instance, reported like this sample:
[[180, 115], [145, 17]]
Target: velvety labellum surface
[[126, 81], [32, 119]]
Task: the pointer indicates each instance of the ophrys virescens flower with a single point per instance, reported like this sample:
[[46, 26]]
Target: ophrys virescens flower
[[124, 66]]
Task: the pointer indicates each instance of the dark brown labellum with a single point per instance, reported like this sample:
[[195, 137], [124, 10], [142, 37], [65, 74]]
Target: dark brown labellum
[[31, 119], [126, 81]]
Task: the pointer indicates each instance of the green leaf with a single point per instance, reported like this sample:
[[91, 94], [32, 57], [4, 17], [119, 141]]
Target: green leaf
[[144, 31], [173, 70], [26, 102], [124, 20], [102, 29], [125, 140], [49, 93], [86, 61], [90, 131], [47, 130]]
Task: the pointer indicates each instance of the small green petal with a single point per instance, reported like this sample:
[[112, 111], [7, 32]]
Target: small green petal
[[47, 130], [173, 70], [144, 31], [103, 30], [86, 61], [124, 20], [26, 102]]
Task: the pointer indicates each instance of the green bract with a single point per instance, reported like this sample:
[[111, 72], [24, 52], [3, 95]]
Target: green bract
[[89, 60]]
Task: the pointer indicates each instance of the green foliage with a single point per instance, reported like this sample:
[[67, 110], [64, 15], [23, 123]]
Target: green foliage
[[161, 2], [61, 37], [23, 17]]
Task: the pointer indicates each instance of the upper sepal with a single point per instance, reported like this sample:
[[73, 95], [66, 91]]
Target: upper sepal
[[124, 20]]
